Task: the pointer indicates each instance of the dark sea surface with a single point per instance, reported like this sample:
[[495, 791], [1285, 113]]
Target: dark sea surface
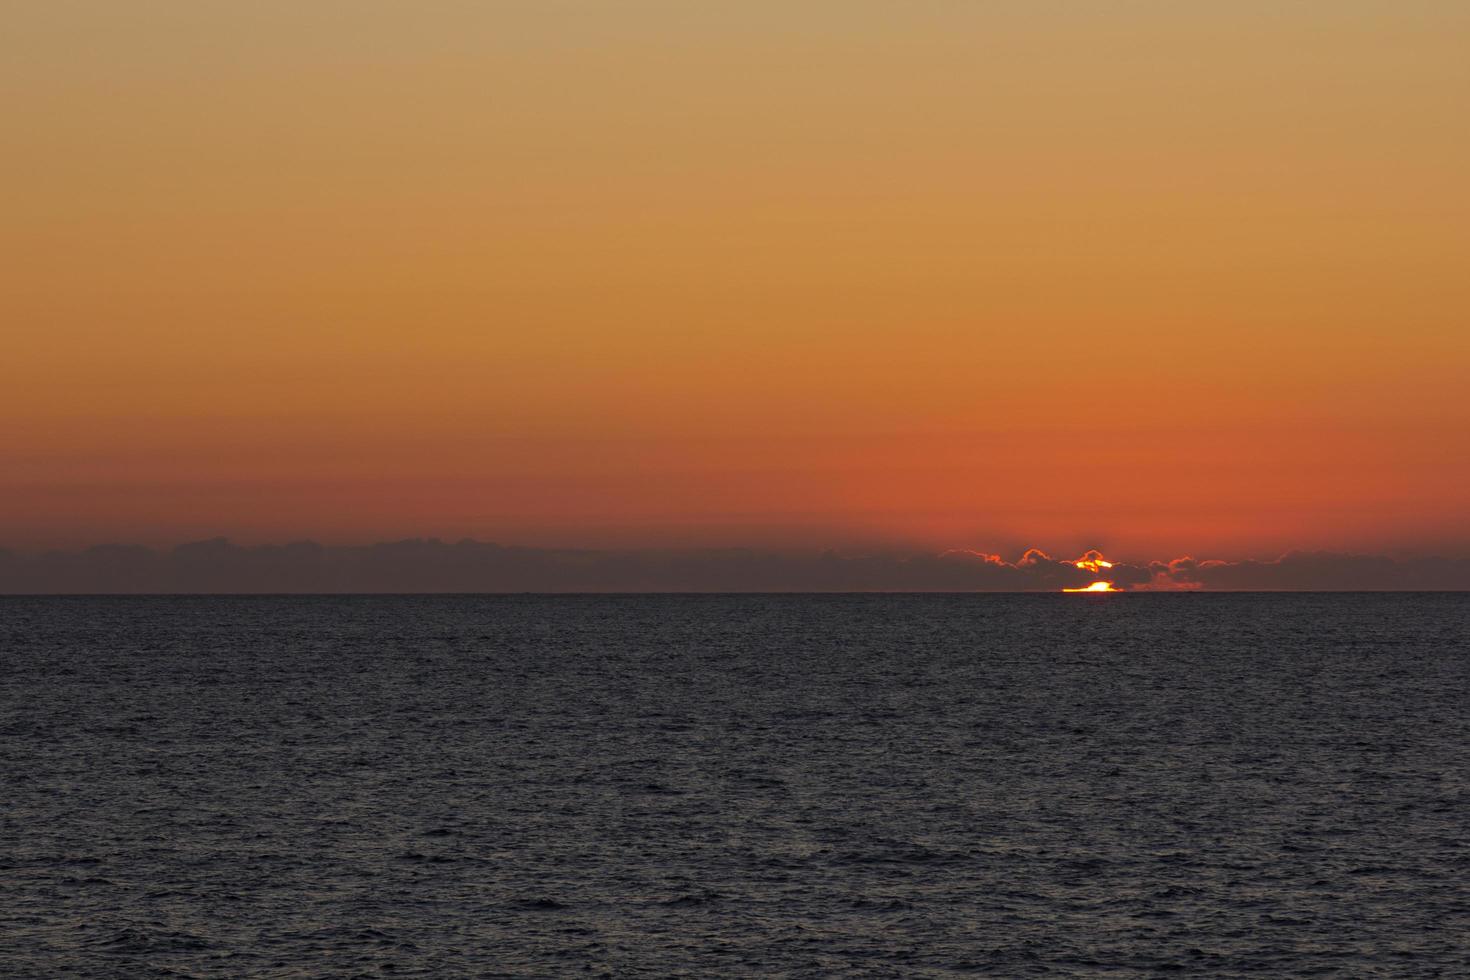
[[805, 786]]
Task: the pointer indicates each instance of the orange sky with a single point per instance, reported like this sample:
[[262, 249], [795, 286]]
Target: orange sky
[[1150, 276]]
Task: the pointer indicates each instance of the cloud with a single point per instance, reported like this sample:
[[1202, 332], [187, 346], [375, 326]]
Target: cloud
[[1318, 570], [430, 565]]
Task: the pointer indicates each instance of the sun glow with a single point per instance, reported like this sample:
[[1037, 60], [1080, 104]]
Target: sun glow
[[1096, 587], [1093, 561]]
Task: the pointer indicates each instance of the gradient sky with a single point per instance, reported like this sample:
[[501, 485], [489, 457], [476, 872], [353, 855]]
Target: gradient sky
[[1158, 277]]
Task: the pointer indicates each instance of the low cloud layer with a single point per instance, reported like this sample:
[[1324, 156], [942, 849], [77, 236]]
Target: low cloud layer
[[218, 566]]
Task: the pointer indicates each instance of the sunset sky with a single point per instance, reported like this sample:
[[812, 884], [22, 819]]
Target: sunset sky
[[1161, 278]]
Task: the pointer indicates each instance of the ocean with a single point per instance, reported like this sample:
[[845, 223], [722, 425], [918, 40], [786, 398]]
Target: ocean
[[710, 786]]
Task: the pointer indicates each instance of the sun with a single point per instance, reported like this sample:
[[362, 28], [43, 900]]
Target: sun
[[1096, 587], [1094, 562]]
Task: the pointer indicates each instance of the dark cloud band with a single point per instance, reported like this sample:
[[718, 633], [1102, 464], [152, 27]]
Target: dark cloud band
[[469, 566]]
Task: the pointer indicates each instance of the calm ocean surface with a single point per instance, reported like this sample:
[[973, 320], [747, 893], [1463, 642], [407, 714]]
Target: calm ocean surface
[[806, 786]]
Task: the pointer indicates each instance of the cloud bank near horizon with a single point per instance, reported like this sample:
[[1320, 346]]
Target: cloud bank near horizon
[[431, 565]]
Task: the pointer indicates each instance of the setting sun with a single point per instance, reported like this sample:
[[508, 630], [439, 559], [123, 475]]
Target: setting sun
[[1093, 561], [1096, 587]]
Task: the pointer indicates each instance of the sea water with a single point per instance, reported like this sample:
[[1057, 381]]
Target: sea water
[[804, 786]]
